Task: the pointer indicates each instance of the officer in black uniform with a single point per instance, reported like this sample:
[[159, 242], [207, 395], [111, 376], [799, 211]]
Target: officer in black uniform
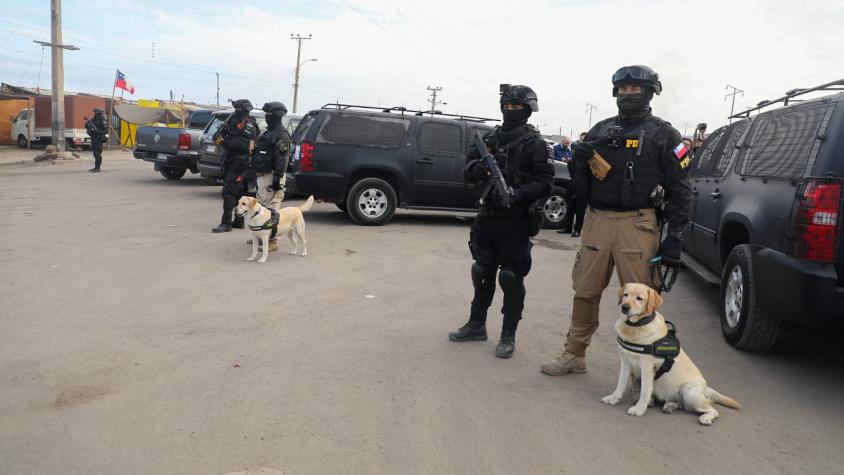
[[237, 137], [269, 161], [648, 169], [500, 235], [97, 130]]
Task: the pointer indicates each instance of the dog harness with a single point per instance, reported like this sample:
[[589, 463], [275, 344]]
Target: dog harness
[[667, 347], [271, 223]]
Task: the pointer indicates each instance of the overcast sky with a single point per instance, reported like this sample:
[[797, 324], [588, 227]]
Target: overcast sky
[[386, 53]]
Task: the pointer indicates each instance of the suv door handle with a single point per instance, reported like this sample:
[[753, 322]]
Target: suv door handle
[[425, 161], [694, 190], [715, 194]]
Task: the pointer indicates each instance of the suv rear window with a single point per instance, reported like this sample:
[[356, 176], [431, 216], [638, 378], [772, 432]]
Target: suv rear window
[[785, 143], [440, 138], [367, 131], [707, 153]]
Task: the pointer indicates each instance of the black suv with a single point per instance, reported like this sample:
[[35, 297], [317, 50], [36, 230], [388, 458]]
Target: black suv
[[370, 161], [765, 219]]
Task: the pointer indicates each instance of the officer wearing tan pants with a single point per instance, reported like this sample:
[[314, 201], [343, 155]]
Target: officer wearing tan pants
[[645, 157]]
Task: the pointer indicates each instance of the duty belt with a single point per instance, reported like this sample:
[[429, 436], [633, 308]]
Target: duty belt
[[667, 347], [271, 223]]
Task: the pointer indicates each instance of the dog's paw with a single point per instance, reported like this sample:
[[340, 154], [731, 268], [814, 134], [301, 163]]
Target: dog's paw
[[251, 258], [262, 260], [292, 253], [612, 399], [708, 418], [637, 410], [303, 254], [670, 407]]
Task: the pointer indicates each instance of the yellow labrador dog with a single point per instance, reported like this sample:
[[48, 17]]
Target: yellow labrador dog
[[262, 221], [646, 342]]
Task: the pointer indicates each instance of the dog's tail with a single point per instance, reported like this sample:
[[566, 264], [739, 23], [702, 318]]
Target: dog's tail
[[715, 396], [306, 206]]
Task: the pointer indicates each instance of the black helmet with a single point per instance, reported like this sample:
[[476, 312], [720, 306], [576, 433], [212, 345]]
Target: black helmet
[[97, 110], [636, 75], [275, 108], [519, 95], [242, 104]]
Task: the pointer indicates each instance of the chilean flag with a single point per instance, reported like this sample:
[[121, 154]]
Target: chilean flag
[[121, 82]]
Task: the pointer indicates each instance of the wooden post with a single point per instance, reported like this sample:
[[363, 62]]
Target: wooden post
[[111, 112]]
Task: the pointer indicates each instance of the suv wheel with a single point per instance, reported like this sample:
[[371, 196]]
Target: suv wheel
[[172, 173], [744, 323], [555, 208], [371, 202]]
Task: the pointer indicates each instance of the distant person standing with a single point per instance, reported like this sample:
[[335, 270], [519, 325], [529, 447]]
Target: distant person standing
[[562, 150], [575, 209], [97, 129]]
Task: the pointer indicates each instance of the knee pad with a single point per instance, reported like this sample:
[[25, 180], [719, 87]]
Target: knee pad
[[511, 282], [480, 272]]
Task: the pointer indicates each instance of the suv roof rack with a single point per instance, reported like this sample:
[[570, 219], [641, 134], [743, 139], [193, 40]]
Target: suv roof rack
[[790, 94], [402, 110]]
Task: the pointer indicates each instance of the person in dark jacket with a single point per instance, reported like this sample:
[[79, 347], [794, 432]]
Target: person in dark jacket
[[237, 138], [647, 159], [500, 235], [97, 129]]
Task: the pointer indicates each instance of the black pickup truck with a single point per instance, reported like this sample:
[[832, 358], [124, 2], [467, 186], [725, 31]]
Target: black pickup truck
[[766, 217], [370, 161]]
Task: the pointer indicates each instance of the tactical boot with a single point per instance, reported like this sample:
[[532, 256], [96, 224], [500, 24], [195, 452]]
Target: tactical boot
[[469, 332], [94, 170], [273, 245], [221, 228], [565, 363], [238, 222], [506, 344]]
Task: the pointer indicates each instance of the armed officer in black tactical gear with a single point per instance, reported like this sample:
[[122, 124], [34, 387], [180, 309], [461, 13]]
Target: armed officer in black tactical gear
[[237, 138], [648, 170], [97, 129], [269, 161], [500, 235]]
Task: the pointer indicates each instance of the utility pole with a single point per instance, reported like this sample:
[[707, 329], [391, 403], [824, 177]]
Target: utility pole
[[57, 49], [218, 88], [590, 108], [433, 99], [685, 126], [299, 38], [735, 91]]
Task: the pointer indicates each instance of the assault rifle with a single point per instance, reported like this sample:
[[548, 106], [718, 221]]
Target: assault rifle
[[496, 179]]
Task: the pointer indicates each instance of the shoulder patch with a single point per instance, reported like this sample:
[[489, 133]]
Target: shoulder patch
[[680, 151]]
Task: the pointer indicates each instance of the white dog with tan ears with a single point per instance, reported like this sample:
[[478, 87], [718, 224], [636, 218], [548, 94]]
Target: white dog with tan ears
[[264, 222], [650, 351]]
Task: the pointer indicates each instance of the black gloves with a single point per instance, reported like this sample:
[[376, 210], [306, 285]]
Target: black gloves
[[671, 249], [475, 171], [276, 183], [583, 151]]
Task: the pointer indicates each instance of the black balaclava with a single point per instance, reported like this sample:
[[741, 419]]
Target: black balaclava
[[515, 118], [272, 120], [635, 105]]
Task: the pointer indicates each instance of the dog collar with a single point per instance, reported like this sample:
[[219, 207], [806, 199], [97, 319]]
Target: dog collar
[[642, 321]]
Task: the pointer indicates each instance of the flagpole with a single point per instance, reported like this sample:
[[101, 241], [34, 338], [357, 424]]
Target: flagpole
[[111, 111]]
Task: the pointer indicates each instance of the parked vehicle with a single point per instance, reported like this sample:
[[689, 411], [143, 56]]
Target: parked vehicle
[[209, 161], [766, 218], [174, 151], [369, 161], [25, 131]]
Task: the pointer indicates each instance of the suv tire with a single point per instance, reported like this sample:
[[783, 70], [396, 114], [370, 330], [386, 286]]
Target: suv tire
[[555, 208], [744, 323], [371, 202], [172, 173]]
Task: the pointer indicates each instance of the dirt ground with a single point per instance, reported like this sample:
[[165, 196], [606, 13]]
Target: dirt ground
[[135, 341]]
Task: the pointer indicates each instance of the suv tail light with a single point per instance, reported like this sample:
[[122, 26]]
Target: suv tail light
[[815, 226], [184, 141], [306, 157]]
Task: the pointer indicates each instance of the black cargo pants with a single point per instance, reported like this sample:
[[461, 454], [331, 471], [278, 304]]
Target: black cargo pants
[[234, 180]]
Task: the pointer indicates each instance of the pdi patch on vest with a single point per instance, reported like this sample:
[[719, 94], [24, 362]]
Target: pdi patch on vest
[[685, 163], [632, 143]]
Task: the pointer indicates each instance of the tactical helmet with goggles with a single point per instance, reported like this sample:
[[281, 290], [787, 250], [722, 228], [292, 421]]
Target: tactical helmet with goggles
[[242, 104], [637, 75], [519, 95], [275, 108]]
